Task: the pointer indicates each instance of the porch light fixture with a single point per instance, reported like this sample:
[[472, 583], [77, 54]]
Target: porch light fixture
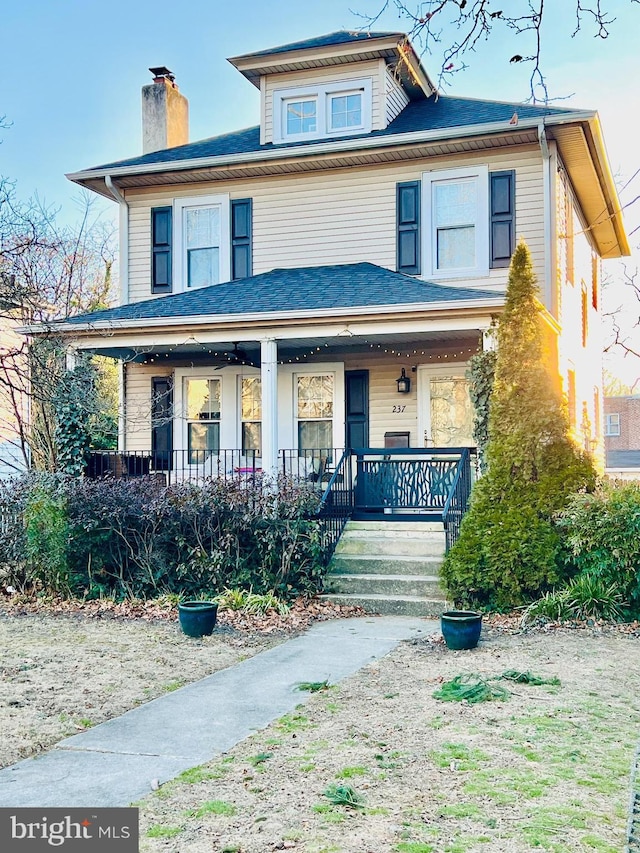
[[404, 383]]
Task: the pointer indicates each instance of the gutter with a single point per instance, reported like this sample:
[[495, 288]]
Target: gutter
[[123, 239], [549, 221], [257, 316], [326, 147]]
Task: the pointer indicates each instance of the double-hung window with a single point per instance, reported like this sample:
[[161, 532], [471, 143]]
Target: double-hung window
[[326, 110], [202, 397], [612, 423], [202, 231], [314, 395], [456, 214], [251, 415]]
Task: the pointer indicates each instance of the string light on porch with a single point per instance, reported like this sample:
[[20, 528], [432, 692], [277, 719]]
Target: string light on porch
[[205, 349]]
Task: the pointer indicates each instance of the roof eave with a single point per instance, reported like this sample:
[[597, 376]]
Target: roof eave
[[328, 147], [64, 327], [254, 66]]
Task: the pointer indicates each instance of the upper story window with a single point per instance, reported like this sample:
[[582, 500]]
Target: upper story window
[[314, 112], [301, 116], [456, 212], [612, 423], [202, 255]]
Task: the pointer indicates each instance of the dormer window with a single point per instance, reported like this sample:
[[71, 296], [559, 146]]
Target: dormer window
[[323, 111], [301, 116]]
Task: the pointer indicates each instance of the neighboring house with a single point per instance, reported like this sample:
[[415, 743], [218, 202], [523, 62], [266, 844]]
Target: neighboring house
[[280, 284], [622, 436]]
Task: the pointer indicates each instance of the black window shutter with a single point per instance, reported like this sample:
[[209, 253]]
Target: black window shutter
[[502, 192], [162, 423], [241, 228], [161, 230], [408, 227]]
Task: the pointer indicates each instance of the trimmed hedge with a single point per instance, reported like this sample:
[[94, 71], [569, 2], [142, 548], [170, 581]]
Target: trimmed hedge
[[138, 538]]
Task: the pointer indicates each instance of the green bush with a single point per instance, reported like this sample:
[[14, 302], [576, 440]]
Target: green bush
[[584, 597], [137, 538], [601, 532], [47, 536], [509, 550]]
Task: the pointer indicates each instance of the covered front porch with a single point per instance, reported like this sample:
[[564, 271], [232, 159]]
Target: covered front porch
[[278, 374]]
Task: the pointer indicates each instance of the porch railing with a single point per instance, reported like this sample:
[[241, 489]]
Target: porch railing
[[458, 500], [374, 483], [176, 466], [337, 505]]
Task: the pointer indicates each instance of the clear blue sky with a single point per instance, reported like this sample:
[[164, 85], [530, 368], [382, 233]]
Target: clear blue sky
[[72, 71]]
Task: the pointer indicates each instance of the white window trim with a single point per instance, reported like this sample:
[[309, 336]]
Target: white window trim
[[481, 270], [322, 93], [608, 423], [245, 373], [180, 255]]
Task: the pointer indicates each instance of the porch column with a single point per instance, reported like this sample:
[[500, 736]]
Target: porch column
[[269, 381]]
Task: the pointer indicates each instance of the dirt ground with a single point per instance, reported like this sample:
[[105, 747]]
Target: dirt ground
[[547, 769], [62, 674]]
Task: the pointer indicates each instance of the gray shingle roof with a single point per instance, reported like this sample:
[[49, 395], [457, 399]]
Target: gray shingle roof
[[305, 289], [442, 113], [340, 37]]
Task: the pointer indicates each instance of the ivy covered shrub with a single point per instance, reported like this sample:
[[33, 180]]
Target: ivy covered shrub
[[509, 549], [137, 538], [481, 374], [601, 532]]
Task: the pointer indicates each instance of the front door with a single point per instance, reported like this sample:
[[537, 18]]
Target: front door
[[445, 412], [357, 408]]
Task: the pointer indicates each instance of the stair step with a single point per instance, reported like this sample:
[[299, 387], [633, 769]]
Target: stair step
[[346, 564], [393, 527], [388, 605], [420, 586], [393, 546]]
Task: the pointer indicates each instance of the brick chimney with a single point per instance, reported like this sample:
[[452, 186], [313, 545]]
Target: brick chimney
[[165, 113]]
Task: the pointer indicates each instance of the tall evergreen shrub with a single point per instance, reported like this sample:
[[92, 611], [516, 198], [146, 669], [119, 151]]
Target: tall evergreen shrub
[[509, 549]]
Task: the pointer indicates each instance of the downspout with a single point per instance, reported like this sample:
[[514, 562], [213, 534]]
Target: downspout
[[124, 299], [548, 192]]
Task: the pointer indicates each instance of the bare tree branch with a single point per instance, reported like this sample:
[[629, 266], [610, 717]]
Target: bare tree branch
[[460, 25]]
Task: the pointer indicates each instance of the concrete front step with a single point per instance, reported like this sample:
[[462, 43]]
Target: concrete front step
[[388, 605], [390, 528], [373, 564], [399, 545], [419, 586]]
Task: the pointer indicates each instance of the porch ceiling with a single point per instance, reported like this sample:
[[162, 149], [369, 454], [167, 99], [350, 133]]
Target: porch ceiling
[[407, 348]]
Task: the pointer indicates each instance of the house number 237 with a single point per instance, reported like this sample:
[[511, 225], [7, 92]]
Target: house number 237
[[398, 409]]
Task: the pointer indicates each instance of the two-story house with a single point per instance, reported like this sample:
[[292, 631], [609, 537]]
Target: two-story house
[[321, 280]]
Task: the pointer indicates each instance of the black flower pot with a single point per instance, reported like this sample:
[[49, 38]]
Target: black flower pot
[[461, 628], [197, 618]]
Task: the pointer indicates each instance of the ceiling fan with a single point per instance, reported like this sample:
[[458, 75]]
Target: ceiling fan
[[237, 356]]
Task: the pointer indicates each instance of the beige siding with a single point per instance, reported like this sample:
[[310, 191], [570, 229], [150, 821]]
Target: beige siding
[[388, 410], [342, 216], [577, 275], [322, 76], [397, 98], [138, 403], [383, 397]]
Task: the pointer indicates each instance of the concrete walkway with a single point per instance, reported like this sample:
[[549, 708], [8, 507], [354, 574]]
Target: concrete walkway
[[115, 763]]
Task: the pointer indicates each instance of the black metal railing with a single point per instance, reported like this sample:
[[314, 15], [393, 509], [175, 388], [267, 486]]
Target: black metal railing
[[337, 503], [313, 466], [458, 500], [405, 481]]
